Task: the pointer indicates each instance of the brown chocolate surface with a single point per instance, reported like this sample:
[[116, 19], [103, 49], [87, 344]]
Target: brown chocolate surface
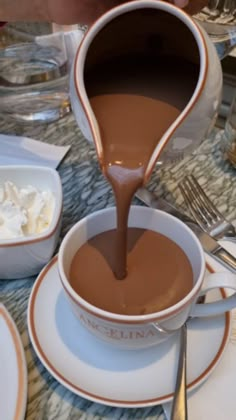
[[159, 273]]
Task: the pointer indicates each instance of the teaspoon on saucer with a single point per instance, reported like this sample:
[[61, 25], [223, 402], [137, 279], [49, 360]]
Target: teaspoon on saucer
[[179, 407]]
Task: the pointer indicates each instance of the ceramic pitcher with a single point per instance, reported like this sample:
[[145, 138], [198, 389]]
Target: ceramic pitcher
[[122, 29]]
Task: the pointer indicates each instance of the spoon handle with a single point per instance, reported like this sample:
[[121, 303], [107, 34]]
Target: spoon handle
[[179, 407]]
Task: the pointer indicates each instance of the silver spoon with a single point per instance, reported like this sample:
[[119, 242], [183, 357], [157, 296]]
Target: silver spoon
[[179, 407]]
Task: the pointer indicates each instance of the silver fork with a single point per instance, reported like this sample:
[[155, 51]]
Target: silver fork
[[204, 211]]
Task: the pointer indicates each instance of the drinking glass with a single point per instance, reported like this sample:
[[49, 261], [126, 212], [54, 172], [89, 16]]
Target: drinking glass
[[229, 134], [218, 18], [34, 80]]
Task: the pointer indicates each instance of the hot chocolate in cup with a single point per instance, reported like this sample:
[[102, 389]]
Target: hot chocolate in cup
[[141, 330]]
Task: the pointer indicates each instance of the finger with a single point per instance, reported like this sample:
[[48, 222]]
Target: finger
[[195, 6], [181, 3]]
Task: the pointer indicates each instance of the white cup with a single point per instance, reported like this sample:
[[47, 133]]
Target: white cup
[[140, 331]]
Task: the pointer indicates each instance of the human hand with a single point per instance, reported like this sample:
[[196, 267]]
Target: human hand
[[66, 12], [87, 11], [78, 11]]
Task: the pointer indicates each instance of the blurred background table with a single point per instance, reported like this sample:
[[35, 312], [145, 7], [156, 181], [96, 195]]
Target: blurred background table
[[85, 191]]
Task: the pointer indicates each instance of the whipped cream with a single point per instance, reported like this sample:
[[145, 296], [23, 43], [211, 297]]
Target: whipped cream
[[24, 211]]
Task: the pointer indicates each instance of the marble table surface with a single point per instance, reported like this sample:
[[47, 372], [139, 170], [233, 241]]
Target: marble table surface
[[85, 190]]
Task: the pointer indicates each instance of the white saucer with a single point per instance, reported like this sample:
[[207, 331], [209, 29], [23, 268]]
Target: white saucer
[[13, 377], [99, 372]]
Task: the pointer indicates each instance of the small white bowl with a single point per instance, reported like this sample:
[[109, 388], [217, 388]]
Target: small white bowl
[[23, 257]]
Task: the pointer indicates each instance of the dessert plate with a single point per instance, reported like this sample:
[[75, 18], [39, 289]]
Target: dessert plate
[[13, 377], [98, 371]]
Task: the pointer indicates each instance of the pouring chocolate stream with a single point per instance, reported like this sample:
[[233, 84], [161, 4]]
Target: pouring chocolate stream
[[135, 99]]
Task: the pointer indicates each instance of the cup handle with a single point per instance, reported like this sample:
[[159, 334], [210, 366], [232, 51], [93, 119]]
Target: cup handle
[[213, 281]]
